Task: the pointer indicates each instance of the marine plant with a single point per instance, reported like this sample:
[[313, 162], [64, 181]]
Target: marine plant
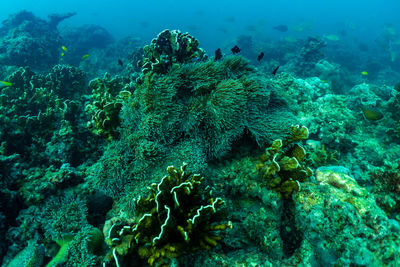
[[179, 215], [284, 165]]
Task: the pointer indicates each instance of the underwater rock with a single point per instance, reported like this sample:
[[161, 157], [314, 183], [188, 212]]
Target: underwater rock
[[310, 54], [80, 40], [27, 40], [343, 222]]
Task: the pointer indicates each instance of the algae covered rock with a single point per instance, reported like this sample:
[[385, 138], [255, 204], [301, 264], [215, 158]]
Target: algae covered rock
[[26, 40], [343, 223]]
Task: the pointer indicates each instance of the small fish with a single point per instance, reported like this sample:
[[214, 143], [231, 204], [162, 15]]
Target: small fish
[[323, 81], [281, 28], [275, 70], [332, 37], [4, 84], [290, 39], [120, 62], [64, 48], [62, 54], [393, 56], [260, 56], [85, 56], [235, 49], [371, 114], [364, 73], [218, 54]]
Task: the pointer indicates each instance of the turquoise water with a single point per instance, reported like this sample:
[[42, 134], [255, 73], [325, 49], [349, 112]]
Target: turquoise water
[[213, 133]]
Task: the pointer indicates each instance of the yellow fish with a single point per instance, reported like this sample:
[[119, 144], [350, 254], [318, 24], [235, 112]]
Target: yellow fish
[[364, 73], [85, 56], [62, 54], [4, 84], [371, 114], [64, 48]]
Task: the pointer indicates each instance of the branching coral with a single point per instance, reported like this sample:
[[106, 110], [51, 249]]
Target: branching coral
[[177, 216], [283, 165]]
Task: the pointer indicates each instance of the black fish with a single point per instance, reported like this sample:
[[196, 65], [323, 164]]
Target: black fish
[[275, 70], [120, 62], [235, 49], [218, 54], [260, 56], [281, 28]]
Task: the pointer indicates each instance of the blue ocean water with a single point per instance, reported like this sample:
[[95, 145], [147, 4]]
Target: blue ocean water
[[213, 22], [199, 133]]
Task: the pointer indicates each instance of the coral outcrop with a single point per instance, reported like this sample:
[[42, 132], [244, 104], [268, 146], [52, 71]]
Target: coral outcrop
[[27, 40], [283, 165], [168, 49], [343, 224], [178, 215], [108, 96]]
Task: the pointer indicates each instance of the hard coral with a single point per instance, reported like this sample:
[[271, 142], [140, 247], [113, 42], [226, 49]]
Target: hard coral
[[177, 216], [168, 49], [108, 95], [283, 164], [26, 40]]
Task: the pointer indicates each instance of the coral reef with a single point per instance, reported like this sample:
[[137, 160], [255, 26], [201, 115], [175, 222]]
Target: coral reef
[[283, 164], [386, 181], [80, 40], [310, 54], [343, 224], [193, 114], [108, 96], [27, 40], [177, 216], [168, 49], [39, 110]]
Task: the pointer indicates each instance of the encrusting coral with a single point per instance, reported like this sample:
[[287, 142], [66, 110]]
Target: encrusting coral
[[177, 216]]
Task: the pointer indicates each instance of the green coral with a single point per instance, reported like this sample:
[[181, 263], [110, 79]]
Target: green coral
[[32, 255], [169, 49], [176, 217], [283, 166], [108, 96], [195, 113]]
